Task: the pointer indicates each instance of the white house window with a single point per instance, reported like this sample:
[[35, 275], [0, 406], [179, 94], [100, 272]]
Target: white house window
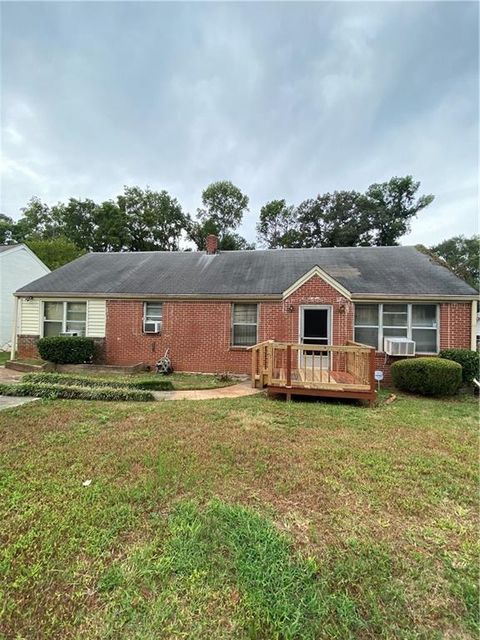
[[244, 325], [417, 322], [64, 317], [152, 317]]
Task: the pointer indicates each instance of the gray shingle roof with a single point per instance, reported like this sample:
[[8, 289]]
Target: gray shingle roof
[[361, 270]]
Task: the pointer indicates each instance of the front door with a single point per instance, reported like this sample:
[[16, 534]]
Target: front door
[[314, 329]]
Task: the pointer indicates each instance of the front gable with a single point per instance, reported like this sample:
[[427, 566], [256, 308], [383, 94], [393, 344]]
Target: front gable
[[316, 271]]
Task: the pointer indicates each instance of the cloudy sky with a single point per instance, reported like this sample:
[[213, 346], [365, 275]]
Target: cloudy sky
[[284, 99]]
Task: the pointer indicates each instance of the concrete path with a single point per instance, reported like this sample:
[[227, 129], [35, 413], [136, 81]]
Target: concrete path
[[9, 375], [234, 391], [9, 402]]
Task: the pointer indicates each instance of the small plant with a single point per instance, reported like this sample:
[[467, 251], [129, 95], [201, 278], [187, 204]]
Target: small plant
[[155, 384], [427, 376], [469, 360], [224, 377], [66, 349], [55, 391]]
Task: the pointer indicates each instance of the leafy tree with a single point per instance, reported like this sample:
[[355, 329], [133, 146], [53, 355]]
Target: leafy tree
[[224, 205], [333, 220], [37, 220], [462, 256], [278, 225], [154, 219], [222, 212], [6, 229], [389, 207], [55, 252]]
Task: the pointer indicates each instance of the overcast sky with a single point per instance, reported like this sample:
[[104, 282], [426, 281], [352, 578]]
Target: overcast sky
[[287, 100]]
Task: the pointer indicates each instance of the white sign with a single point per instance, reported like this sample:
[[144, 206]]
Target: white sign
[[378, 375]]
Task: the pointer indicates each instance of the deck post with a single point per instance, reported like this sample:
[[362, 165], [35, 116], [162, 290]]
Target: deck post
[[289, 365], [372, 374], [254, 367]]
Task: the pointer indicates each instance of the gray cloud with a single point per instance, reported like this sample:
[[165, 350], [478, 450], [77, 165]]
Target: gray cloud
[[285, 99]]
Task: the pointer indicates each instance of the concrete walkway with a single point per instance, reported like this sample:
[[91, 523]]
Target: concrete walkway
[[9, 402], [234, 391]]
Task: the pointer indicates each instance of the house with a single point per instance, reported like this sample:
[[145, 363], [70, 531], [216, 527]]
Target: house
[[18, 266], [208, 308]]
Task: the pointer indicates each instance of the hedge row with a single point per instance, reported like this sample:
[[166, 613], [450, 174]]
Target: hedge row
[[66, 349], [155, 384], [427, 376], [55, 391]]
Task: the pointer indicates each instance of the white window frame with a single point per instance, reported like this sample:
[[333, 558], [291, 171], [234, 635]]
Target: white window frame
[[250, 324], [147, 318], [409, 326], [65, 303]]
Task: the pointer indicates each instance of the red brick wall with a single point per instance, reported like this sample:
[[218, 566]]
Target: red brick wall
[[198, 333]]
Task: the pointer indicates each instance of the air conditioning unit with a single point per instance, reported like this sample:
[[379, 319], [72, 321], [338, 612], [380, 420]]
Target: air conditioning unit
[[71, 333], [399, 346], [153, 327]]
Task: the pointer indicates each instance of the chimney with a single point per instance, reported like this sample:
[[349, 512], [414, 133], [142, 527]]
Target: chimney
[[212, 244]]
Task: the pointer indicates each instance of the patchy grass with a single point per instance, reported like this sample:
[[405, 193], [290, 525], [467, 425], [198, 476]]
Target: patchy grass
[[245, 518], [4, 356]]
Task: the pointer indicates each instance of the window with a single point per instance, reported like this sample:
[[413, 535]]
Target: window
[[152, 313], [417, 322], [244, 325], [366, 324], [64, 317]]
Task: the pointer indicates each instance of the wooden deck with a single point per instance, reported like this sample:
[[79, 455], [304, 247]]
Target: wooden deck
[[318, 370]]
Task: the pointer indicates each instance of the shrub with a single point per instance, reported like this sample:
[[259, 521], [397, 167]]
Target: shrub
[[427, 376], [66, 349], [470, 361], [55, 391], [156, 384]]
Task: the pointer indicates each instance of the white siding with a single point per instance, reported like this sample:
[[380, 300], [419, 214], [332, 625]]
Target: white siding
[[29, 317], [18, 267], [96, 318]]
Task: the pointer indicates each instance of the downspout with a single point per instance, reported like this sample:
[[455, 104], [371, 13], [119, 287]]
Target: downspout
[[14, 330], [473, 343]]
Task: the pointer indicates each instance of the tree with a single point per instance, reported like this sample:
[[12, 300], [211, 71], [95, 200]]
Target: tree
[[55, 252], [223, 208], [278, 226], [154, 219], [224, 204], [389, 208], [462, 256], [333, 220], [37, 220], [6, 229]]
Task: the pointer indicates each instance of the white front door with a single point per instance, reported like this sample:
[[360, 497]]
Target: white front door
[[315, 328]]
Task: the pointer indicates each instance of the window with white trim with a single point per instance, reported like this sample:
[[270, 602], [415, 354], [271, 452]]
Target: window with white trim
[[152, 313], [64, 317], [244, 325], [418, 322]]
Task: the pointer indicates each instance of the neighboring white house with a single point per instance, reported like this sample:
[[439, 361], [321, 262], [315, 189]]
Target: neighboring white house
[[18, 267]]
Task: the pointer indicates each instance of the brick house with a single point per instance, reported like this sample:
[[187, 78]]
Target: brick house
[[209, 307]]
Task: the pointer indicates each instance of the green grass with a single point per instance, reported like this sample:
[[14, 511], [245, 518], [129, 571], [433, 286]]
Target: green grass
[[239, 519], [4, 356]]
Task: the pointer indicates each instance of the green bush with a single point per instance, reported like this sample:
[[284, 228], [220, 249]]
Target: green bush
[[66, 349], [470, 361], [427, 376], [156, 384], [55, 391]]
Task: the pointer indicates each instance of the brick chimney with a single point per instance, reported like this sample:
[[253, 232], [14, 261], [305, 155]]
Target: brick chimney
[[212, 244]]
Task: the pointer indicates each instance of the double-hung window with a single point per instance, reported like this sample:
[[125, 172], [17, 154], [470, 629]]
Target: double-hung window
[[418, 322], [152, 317], [244, 325], [64, 317]]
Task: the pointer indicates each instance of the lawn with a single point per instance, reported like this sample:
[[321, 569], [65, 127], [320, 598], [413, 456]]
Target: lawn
[[4, 356], [179, 380], [246, 518]]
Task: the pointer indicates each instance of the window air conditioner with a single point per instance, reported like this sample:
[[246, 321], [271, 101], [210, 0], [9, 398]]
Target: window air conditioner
[[399, 346], [153, 327], [70, 333]]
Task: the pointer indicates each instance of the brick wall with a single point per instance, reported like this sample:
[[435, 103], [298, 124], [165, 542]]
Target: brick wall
[[198, 333]]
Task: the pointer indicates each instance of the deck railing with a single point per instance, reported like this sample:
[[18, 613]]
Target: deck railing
[[313, 366]]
